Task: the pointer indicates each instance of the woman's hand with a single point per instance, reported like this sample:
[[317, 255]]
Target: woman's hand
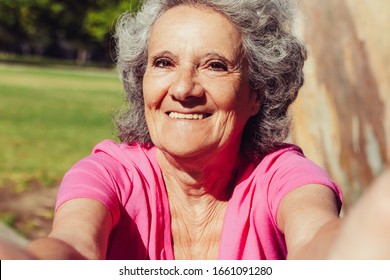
[[365, 231], [80, 231], [12, 251]]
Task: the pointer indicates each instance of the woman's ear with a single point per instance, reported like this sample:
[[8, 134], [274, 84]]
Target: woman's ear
[[257, 100]]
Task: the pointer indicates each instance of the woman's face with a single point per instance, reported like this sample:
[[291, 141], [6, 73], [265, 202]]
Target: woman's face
[[196, 92]]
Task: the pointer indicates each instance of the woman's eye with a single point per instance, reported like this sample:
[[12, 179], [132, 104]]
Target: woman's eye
[[163, 63], [217, 66]]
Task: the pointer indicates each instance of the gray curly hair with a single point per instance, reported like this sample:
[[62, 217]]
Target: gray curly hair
[[275, 57]]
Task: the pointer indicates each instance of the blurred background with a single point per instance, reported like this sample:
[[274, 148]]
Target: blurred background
[[59, 90], [342, 115], [79, 31]]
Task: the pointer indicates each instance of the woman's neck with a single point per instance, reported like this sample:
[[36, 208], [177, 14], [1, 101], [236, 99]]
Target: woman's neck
[[198, 193], [200, 178]]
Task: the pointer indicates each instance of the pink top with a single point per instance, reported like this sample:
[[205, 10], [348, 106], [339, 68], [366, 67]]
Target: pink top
[[128, 181]]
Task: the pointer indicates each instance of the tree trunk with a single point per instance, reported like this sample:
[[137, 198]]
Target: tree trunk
[[342, 115]]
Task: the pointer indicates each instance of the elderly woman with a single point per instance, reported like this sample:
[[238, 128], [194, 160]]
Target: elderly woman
[[202, 171]]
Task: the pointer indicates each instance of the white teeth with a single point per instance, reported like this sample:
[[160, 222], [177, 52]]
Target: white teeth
[[174, 115]]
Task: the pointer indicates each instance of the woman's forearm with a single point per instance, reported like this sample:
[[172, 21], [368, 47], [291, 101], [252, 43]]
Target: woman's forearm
[[12, 251], [321, 245], [49, 248], [46, 248], [364, 233]]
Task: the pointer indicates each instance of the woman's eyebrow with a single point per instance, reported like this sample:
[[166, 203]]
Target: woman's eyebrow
[[218, 56], [163, 53], [232, 62]]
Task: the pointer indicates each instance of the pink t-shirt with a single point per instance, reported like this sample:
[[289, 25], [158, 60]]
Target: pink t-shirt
[[128, 181]]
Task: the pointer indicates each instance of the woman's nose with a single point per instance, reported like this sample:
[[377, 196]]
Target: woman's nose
[[186, 85]]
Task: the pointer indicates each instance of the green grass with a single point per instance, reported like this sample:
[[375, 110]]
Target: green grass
[[50, 118]]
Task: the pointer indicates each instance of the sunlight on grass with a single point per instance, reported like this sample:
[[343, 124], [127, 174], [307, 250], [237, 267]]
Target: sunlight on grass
[[50, 118]]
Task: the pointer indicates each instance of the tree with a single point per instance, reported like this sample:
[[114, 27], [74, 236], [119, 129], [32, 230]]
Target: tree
[[18, 28], [60, 28]]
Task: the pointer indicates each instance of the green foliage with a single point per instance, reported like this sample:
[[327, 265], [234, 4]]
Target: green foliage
[[100, 22], [40, 24], [21, 19]]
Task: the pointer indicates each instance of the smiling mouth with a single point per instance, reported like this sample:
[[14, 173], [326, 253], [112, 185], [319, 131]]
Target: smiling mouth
[[180, 116]]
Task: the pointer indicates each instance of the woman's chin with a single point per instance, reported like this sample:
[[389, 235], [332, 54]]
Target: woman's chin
[[181, 150]]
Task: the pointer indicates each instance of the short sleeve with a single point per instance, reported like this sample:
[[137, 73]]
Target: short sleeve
[[94, 177], [292, 170]]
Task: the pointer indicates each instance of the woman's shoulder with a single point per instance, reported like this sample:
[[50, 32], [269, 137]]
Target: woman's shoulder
[[283, 156], [109, 174], [288, 168], [285, 150], [128, 155], [115, 166]]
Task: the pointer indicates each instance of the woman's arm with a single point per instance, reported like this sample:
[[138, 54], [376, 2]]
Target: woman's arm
[[309, 219], [10, 250], [81, 229], [365, 233]]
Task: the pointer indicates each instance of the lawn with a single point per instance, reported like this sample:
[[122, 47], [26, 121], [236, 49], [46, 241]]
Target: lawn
[[49, 118]]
